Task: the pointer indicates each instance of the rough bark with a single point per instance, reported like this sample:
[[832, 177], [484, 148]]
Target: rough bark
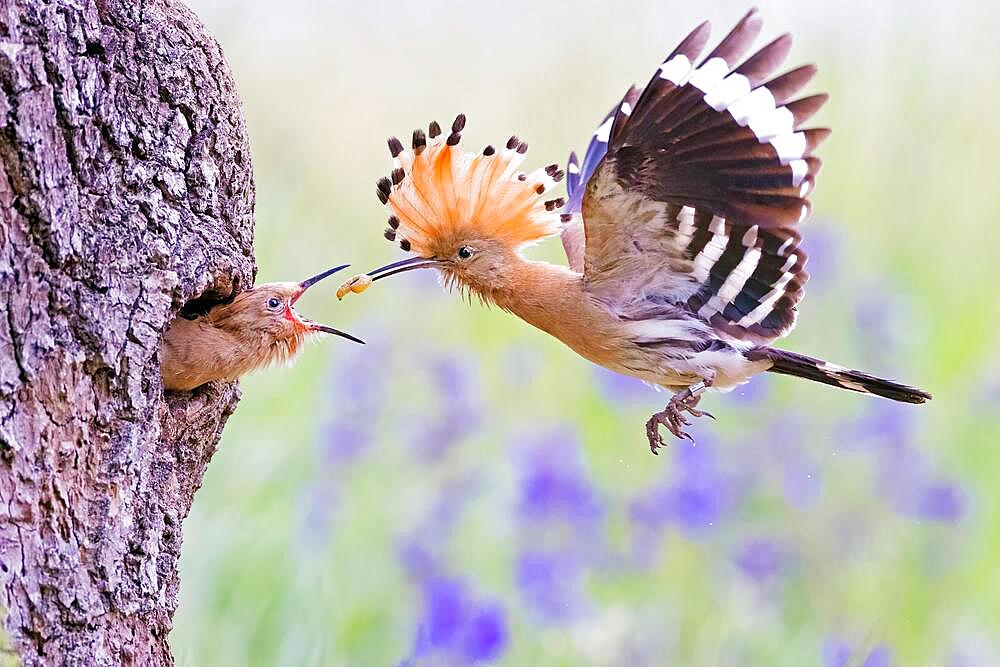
[[126, 191]]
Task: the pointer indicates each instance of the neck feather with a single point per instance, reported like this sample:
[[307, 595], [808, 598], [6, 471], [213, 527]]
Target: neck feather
[[538, 292]]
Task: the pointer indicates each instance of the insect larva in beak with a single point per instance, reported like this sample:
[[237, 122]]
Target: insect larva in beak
[[356, 284]]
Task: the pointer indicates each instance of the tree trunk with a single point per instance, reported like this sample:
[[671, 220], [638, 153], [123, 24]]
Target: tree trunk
[[126, 192]]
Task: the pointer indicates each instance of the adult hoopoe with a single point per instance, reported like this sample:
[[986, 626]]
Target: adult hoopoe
[[681, 226]]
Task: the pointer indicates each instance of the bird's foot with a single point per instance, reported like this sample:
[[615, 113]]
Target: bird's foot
[[673, 415]]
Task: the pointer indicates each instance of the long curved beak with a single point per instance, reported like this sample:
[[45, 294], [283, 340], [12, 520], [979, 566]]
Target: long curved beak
[[309, 282], [410, 264], [316, 326], [330, 330]]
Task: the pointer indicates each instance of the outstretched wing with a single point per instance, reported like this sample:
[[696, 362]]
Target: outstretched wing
[[577, 175], [705, 179]]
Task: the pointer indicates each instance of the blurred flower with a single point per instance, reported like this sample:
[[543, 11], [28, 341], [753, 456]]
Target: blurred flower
[[881, 656], [486, 635], [551, 584], [989, 394], [561, 525], [694, 500], [753, 392], [458, 412], [936, 501], [904, 475], [554, 483], [884, 426], [881, 314], [835, 653], [761, 559], [318, 499], [457, 625], [695, 505], [838, 654], [695, 495], [822, 245], [443, 611], [357, 402], [343, 441], [801, 484], [422, 552]]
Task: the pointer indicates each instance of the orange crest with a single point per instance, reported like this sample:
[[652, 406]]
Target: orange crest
[[440, 195]]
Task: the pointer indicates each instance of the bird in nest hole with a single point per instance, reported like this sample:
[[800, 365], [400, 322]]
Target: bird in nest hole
[[258, 327]]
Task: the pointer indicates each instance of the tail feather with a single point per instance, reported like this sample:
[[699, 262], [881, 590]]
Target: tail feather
[[817, 370]]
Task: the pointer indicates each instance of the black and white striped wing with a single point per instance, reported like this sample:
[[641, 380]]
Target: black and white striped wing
[[577, 175], [705, 179]]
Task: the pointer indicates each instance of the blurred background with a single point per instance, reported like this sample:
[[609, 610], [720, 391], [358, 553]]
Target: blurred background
[[465, 490]]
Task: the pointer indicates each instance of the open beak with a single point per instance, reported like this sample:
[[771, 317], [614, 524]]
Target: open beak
[[316, 326], [404, 265], [309, 282]]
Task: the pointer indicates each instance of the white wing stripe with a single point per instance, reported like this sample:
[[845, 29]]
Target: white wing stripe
[[734, 284], [711, 253], [709, 74], [676, 70], [754, 108], [758, 103], [685, 227], [732, 88]]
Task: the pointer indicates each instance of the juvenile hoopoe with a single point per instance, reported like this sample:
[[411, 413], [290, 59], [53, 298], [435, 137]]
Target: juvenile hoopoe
[[258, 328], [680, 230]]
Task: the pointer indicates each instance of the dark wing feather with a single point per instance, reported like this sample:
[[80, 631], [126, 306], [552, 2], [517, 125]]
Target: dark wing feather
[[703, 184], [577, 175]]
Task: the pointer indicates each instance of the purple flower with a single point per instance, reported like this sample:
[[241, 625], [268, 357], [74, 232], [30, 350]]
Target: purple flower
[[835, 653], [356, 402], [485, 636], [823, 247], [554, 482], [695, 500], [423, 552], [551, 584], [695, 506], [885, 427], [752, 393], [989, 394], [881, 656], [880, 315], [418, 559], [939, 501], [343, 441], [444, 610], [459, 411], [838, 654], [457, 624], [319, 500], [761, 559], [801, 483]]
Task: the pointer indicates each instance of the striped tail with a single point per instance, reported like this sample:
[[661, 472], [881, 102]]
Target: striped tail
[[817, 370]]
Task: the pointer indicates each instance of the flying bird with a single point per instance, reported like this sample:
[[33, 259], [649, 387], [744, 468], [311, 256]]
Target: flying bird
[[681, 229], [259, 327]]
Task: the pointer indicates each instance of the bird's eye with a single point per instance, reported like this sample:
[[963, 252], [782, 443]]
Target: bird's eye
[[465, 252], [274, 303]]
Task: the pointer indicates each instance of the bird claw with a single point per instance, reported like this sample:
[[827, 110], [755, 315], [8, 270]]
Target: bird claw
[[674, 419]]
